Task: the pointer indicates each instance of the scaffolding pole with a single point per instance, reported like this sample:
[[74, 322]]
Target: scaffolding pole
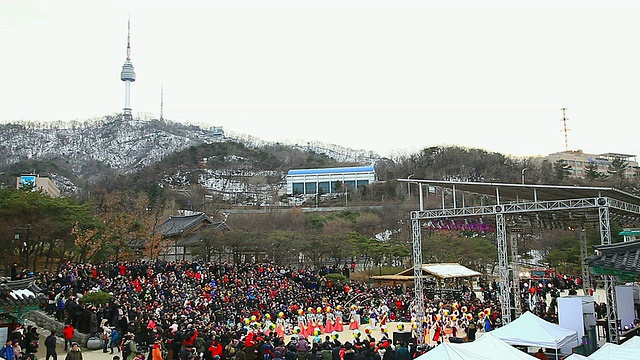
[[417, 275], [515, 270], [584, 254], [503, 268], [609, 281]]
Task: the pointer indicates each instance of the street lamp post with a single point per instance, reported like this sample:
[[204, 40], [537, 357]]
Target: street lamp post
[[25, 243], [409, 186], [523, 171]]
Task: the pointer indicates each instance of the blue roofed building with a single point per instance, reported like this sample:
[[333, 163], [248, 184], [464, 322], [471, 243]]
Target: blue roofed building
[[329, 180]]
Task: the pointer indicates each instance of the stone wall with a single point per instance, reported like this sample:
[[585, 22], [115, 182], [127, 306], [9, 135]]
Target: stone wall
[[47, 322]]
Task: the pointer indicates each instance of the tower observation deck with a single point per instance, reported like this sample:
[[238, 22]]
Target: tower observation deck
[[128, 75]]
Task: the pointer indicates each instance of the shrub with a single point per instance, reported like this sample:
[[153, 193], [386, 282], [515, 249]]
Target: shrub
[[96, 298], [335, 277]]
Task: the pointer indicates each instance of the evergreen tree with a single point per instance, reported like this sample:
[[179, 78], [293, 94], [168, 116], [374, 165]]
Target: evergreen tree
[[591, 172], [617, 170], [562, 170]]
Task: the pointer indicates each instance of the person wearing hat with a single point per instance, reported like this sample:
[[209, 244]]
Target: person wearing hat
[[74, 353]]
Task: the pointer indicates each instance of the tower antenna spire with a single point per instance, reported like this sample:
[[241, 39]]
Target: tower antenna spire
[[129, 38], [565, 130], [161, 101]]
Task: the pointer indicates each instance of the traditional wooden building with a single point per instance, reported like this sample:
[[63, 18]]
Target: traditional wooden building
[[17, 298], [183, 234]]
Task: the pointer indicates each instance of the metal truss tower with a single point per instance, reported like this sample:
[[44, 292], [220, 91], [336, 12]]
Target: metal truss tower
[[503, 267], [609, 280], [565, 201], [418, 302], [564, 128], [584, 253]]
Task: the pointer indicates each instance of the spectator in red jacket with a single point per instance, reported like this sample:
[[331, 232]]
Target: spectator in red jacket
[[68, 335], [216, 348]]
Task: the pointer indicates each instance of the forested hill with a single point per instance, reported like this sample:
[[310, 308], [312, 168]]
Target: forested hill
[[110, 152], [77, 153]]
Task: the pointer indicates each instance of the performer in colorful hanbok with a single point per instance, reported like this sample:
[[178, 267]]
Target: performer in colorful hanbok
[[268, 325], [280, 325], [329, 325], [302, 321], [311, 322], [383, 314], [337, 325], [319, 320], [373, 317], [354, 318]]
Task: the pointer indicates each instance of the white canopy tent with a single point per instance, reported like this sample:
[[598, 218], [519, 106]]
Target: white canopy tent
[[487, 347], [576, 357], [633, 343], [610, 351], [531, 330]]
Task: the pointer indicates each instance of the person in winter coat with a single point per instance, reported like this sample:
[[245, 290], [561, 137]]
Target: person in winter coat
[[240, 352], [68, 335], [215, 348], [74, 353], [129, 348], [17, 350], [114, 340], [156, 350], [302, 348], [7, 351], [402, 352], [93, 322], [50, 345]]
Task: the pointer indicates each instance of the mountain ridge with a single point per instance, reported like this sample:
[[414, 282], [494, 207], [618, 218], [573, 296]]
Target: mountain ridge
[[77, 152]]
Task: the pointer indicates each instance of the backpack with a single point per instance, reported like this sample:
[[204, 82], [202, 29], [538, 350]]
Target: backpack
[[126, 349], [229, 351]]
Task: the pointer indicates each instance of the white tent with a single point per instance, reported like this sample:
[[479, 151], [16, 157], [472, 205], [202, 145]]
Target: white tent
[[530, 330], [576, 357], [610, 351], [487, 347], [633, 343]]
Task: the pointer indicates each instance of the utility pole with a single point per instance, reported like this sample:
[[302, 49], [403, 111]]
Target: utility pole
[[564, 122]]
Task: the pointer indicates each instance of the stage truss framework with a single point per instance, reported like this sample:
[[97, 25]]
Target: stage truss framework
[[571, 204]]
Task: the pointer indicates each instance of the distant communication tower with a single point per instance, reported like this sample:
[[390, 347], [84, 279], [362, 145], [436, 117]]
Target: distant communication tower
[[128, 76], [565, 130], [161, 102]]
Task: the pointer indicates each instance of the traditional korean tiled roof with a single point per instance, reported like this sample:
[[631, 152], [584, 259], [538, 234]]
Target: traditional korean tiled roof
[[179, 225], [20, 292], [617, 259]]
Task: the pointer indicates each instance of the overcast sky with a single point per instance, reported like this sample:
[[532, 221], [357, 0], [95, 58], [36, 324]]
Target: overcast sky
[[388, 76]]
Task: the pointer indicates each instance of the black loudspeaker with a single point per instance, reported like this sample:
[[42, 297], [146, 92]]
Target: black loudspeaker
[[402, 336], [456, 340]]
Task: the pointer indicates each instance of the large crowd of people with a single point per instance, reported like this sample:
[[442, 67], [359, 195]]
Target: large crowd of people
[[190, 310]]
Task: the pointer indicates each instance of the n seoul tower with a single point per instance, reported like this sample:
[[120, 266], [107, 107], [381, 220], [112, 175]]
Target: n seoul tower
[[128, 76]]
